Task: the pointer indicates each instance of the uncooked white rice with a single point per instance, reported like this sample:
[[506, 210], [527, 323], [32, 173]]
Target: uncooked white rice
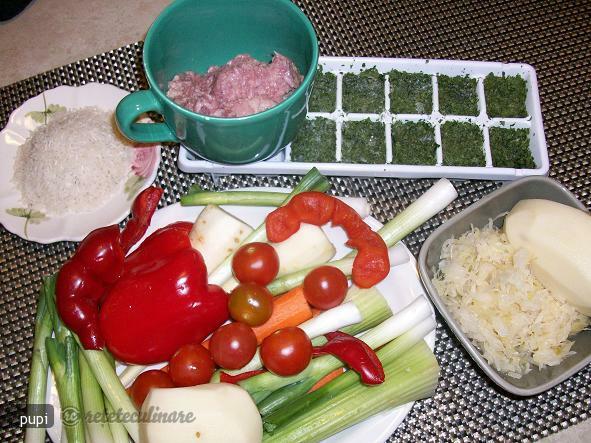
[[74, 163]]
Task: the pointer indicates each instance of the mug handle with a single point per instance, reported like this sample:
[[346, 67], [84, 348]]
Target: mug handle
[[134, 105]]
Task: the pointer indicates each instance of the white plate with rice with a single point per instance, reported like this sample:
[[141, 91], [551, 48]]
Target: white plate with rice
[[64, 167]]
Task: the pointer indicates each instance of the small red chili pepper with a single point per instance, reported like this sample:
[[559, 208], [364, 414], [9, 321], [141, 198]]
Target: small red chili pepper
[[356, 354], [234, 379], [97, 264], [371, 264]]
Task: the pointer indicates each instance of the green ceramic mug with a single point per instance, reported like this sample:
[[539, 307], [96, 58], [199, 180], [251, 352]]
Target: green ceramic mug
[[192, 35]]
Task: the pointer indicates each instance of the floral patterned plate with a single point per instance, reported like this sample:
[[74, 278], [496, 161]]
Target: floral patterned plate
[[34, 225]]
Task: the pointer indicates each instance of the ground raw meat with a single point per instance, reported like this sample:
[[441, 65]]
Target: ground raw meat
[[243, 86]]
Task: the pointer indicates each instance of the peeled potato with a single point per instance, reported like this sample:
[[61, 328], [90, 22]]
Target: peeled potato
[[221, 412], [558, 237]]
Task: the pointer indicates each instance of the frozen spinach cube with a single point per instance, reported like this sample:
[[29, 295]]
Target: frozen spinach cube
[[510, 148], [413, 143], [324, 92], [462, 144], [364, 142], [315, 142], [457, 95], [410, 93], [364, 92], [505, 96]]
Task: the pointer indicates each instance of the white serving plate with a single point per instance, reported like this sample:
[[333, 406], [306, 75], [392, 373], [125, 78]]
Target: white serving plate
[[282, 164], [400, 288], [46, 229]]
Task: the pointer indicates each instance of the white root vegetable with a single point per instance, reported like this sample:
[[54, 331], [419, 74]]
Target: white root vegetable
[[217, 234]]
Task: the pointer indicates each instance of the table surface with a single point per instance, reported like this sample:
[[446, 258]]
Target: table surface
[[554, 37]]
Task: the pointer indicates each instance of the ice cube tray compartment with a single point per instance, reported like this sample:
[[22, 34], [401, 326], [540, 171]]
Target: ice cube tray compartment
[[282, 164]]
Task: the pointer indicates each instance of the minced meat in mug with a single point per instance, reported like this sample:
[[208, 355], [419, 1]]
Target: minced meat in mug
[[243, 86]]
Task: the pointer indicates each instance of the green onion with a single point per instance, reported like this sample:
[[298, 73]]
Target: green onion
[[394, 348], [411, 377], [264, 384], [118, 431], [114, 391], [434, 200], [39, 363], [62, 353], [312, 181], [63, 359], [94, 406], [242, 198], [369, 304], [387, 354]]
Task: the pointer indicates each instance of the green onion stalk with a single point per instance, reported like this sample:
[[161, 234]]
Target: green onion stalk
[[94, 405], [312, 181], [198, 197], [62, 353], [284, 397], [434, 200], [39, 362], [412, 376], [416, 318]]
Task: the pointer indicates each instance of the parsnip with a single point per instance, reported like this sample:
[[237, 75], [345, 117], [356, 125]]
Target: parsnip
[[217, 234]]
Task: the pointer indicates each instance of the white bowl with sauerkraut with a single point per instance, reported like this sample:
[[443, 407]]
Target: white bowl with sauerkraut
[[526, 338]]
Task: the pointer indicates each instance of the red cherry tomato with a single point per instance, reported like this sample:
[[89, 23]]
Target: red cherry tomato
[[287, 351], [146, 381], [325, 287], [251, 304], [255, 263], [191, 365], [233, 345]]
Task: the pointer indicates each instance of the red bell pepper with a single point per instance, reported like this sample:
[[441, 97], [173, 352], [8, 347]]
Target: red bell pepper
[[356, 354], [162, 301], [371, 264], [97, 264]]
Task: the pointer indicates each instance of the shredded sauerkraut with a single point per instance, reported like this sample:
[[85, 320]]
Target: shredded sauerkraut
[[500, 305]]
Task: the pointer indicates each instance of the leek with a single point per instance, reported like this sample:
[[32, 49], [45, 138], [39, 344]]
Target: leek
[[312, 181], [39, 363], [264, 384], [411, 377], [426, 206], [94, 406]]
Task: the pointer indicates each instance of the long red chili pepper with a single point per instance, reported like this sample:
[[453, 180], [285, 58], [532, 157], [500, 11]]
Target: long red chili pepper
[[98, 263], [234, 379], [370, 266], [356, 354]]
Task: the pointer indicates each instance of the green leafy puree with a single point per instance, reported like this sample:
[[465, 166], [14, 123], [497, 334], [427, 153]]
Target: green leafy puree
[[505, 96], [462, 144], [364, 142], [324, 92], [410, 93], [510, 148], [457, 95], [413, 143], [315, 142], [364, 92]]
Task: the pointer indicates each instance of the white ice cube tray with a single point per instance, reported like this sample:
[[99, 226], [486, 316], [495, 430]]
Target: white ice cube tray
[[282, 164]]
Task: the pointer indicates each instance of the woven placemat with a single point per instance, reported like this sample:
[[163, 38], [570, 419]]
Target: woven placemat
[[552, 36]]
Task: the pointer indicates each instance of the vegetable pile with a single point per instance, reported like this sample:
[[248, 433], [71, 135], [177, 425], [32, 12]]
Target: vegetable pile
[[307, 353]]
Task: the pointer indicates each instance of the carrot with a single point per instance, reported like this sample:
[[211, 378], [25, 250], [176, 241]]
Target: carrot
[[289, 309], [328, 377]]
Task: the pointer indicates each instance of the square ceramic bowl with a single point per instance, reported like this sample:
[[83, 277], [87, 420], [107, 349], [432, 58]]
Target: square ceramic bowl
[[498, 202]]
